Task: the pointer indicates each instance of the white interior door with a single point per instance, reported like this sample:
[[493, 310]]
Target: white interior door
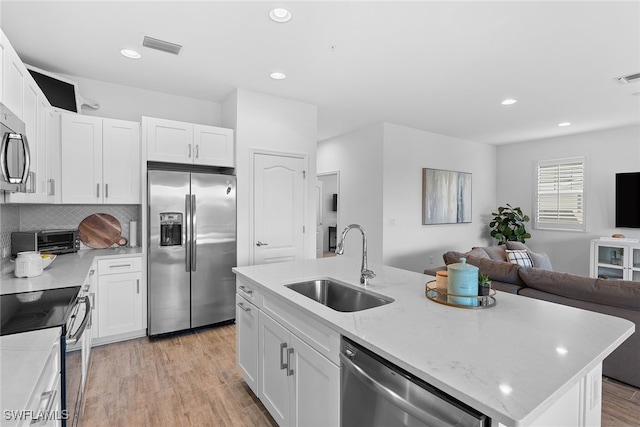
[[278, 214], [319, 220]]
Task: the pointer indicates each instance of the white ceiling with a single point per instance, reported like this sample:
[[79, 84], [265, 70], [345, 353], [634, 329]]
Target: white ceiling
[[437, 66]]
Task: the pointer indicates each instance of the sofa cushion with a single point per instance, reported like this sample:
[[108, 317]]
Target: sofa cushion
[[516, 246], [497, 270], [612, 292], [520, 257], [451, 257], [496, 252]]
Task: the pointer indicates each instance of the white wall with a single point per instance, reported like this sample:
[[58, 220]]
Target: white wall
[[130, 103], [407, 243], [608, 151], [358, 157], [265, 122]]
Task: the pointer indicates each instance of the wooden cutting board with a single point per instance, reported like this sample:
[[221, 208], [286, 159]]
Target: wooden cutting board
[[100, 231]]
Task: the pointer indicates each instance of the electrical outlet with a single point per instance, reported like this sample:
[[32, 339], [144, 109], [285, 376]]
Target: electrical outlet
[[431, 260], [5, 252]]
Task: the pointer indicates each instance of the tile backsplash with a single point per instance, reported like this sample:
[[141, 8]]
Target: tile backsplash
[[46, 217]]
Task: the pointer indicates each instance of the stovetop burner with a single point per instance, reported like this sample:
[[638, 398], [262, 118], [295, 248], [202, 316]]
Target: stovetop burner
[[22, 312]]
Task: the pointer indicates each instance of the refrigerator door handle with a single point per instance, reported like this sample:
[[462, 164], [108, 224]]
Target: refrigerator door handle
[[187, 232], [194, 233]]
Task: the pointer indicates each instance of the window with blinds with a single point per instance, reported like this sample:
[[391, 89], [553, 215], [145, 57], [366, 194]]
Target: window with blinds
[[560, 194]]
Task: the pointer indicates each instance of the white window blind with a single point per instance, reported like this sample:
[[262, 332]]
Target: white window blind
[[560, 194]]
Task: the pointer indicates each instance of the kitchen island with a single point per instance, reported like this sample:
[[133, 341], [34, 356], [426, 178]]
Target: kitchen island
[[522, 362]]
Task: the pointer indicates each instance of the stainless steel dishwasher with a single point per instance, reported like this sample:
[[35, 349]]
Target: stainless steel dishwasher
[[374, 392]]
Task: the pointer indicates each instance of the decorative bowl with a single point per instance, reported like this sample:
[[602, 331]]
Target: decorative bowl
[[47, 259]]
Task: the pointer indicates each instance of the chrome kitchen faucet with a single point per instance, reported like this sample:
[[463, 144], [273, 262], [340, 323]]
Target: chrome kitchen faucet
[[365, 273]]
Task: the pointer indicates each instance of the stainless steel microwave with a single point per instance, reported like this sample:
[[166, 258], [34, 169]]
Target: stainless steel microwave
[[15, 158]]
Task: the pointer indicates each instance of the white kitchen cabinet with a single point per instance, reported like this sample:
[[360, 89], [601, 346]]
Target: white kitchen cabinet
[[213, 146], [247, 341], [297, 385], [180, 142], [120, 297], [100, 160], [315, 381], [615, 259], [13, 79]]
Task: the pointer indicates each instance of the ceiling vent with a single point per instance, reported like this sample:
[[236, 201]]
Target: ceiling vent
[[161, 45], [631, 78]]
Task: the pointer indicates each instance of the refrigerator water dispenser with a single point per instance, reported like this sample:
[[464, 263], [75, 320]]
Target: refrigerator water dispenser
[[170, 229]]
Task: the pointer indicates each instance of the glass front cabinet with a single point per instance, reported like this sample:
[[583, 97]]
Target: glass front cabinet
[[615, 260]]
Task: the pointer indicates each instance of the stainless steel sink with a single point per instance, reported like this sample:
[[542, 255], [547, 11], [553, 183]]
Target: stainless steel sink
[[337, 296]]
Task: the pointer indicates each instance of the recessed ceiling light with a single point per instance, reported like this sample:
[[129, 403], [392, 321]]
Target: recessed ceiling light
[[563, 124], [635, 94], [509, 101], [280, 15], [278, 76], [130, 53]]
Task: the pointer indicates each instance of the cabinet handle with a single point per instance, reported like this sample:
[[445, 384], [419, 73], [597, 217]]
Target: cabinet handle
[[283, 365], [241, 305], [120, 265], [97, 190], [189, 150], [51, 191], [93, 300], [249, 292], [137, 286], [290, 370], [197, 151], [106, 190]]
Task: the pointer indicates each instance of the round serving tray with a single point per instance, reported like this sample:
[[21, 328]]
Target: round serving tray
[[442, 297]]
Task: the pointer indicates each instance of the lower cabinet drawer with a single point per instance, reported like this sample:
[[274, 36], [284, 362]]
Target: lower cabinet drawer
[[119, 265]]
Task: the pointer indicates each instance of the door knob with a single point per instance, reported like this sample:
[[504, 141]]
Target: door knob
[[259, 243]]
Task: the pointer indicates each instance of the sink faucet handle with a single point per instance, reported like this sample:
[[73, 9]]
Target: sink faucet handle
[[366, 275]]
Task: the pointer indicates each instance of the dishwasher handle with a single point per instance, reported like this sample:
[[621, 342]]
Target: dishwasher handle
[[390, 395]]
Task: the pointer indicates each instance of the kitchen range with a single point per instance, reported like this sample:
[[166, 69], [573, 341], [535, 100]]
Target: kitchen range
[[67, 310], [48, 325]]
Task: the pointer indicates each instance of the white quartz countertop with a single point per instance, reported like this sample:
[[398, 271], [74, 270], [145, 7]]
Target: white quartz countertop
[[66, 270], [510, 361], [22, 360]]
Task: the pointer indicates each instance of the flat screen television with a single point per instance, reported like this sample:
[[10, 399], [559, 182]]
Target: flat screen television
[[628, 200], [60, 92]]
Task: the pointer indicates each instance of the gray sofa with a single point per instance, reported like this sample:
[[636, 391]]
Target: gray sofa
[[619, 298]]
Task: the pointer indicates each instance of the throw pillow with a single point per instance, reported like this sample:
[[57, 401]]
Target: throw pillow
[[516, 246], [496, 252], [520, 257], [541, 261]]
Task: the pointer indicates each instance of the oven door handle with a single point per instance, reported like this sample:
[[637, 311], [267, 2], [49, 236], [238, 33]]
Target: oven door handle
[[73, 339], [390, 395]]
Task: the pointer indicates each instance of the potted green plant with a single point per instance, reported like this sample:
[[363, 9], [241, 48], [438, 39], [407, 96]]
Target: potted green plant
[[484, 284], [508, 225]]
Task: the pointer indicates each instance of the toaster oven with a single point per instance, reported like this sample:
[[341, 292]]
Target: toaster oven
[[49, 241]]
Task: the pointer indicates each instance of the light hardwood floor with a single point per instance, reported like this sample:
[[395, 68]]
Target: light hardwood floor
[[190, 379]]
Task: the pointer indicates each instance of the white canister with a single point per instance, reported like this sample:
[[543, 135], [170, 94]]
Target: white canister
[[28, 264], [441, 280]]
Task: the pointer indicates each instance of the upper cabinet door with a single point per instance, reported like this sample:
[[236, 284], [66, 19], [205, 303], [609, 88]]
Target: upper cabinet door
[[13, 80], [121, 162], [81, 159], [213, 146], [169, 140]]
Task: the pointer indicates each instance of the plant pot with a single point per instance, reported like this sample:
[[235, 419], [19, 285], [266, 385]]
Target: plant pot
[[483, 290]]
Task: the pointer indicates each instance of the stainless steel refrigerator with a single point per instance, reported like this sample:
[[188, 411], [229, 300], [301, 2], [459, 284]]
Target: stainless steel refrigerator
[[192, 248]]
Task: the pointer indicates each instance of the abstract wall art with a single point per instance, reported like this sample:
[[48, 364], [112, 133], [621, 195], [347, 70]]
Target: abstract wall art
[[446, 197]]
